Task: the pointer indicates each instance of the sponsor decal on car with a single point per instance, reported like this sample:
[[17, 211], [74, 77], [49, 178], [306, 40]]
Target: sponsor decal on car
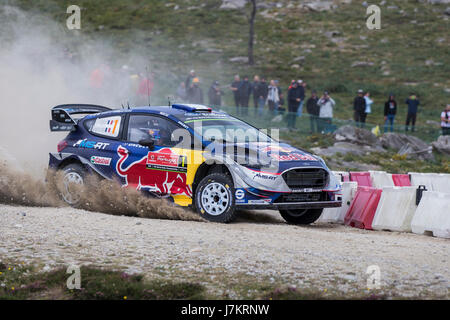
[[306, 190], [264, 176], [239, 194], [260, 201], [90, 144], [164, 159], [102, 161], [167, 179]]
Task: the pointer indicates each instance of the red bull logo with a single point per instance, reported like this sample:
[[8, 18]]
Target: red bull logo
[[276, 148], [160, 171]]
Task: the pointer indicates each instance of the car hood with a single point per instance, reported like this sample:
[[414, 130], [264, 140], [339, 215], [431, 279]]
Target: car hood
[[264, 156]]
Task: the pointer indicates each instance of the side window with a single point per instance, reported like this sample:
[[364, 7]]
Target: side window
[[109, 126], [151, 127]]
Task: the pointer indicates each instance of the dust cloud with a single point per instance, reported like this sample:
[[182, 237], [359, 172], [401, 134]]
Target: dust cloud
[[37, 72]]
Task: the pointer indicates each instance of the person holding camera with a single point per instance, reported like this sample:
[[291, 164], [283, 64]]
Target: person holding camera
[[326, 104]]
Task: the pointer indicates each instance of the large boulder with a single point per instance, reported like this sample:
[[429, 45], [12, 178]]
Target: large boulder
[[344, 148], [357, 135], [412, 146], [442, 145], [233, 4]]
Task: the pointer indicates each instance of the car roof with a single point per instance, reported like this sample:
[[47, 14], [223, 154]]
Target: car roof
[[180, 111]]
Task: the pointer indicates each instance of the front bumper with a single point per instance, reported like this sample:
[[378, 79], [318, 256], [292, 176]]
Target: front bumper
[[291, 205]]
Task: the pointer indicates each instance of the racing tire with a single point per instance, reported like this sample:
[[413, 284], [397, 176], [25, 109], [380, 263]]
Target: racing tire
[[72, 173], [301, 216], [214, 198]]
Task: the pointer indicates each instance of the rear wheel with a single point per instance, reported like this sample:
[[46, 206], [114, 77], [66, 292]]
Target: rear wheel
[[301, 216], [72, 179], [214, 198]]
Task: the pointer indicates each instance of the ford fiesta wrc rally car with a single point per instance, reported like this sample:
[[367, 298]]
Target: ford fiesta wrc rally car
[[194, 156]]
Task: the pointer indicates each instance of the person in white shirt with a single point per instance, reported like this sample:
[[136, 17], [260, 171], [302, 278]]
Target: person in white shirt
[[326, 104], [445, 121], [369, 103]]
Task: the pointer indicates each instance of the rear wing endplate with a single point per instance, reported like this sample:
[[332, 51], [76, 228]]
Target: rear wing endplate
[[62, 115]]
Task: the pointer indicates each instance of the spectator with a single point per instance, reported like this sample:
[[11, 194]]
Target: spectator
[[359, 108], [181, 91], [255, 88], [215, 94], [369, 103], [195, 93], [280, 95], [301, 90], [261, 93], [445, 121], [190, 77], [313, 110], [235, 88], [245, 90], [326, 104], [293, 103], [413, 105], [145, 89], [390, 110], [273, 97]]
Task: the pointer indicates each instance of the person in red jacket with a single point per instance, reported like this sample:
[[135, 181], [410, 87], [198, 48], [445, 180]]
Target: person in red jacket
[[145, 89]]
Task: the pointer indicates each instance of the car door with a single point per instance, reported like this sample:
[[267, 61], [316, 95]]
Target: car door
[[100, 148], [158, 169]]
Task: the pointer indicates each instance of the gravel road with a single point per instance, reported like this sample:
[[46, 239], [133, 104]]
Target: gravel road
[[321, 255]]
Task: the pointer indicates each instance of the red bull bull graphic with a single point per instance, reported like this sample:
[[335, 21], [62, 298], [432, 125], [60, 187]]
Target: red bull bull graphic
[[162, 171], [281, 153]]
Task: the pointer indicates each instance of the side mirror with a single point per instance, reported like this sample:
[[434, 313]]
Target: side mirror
[[150, 143]]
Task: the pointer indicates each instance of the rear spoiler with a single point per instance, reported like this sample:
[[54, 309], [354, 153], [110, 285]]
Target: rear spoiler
[[62, 115]]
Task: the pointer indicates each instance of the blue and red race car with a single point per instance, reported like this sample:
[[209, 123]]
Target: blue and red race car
[[193, 156]]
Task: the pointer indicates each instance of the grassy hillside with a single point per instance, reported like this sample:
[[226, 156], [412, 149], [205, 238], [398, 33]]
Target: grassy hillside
[[409, 53]]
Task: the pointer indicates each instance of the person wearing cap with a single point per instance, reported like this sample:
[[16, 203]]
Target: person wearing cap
[[313, 110], [390, 110], [359, 109], [215, 94], [195, 93], [293, 104], [413, 106], [445, 121], [301, 90], [326, 104], [190, 77]]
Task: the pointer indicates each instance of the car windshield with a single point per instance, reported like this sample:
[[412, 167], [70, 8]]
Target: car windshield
[[228, 130]]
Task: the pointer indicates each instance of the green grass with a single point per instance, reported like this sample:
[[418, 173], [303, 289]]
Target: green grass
[[22, 282], [400, 46]]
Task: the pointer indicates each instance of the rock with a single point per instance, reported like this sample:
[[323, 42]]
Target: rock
[[278, 118], [433, 123], [319, 6], [239, 59], [345, 148], [356, 135], [442, 145], [447, 11], [438, 1], [233, 4], [362, 64], [331, 34], [412, 146], [295, 66]]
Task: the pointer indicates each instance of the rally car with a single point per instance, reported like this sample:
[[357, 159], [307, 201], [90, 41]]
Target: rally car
[[194, 156]]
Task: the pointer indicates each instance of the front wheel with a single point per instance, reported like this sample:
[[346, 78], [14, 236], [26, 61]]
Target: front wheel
[[301, 216], [214, 198]]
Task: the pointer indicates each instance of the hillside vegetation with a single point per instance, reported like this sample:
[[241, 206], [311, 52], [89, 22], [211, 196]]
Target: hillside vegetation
[[409, 53]]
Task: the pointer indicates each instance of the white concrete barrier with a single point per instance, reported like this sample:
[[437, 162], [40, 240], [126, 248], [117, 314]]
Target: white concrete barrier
[[396, 209], [342, 175], [381, 179], [424, 179], [441, 182], [433, 215], [337, 215]]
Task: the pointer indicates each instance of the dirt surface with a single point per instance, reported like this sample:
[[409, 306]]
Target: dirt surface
[[258, 245]]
